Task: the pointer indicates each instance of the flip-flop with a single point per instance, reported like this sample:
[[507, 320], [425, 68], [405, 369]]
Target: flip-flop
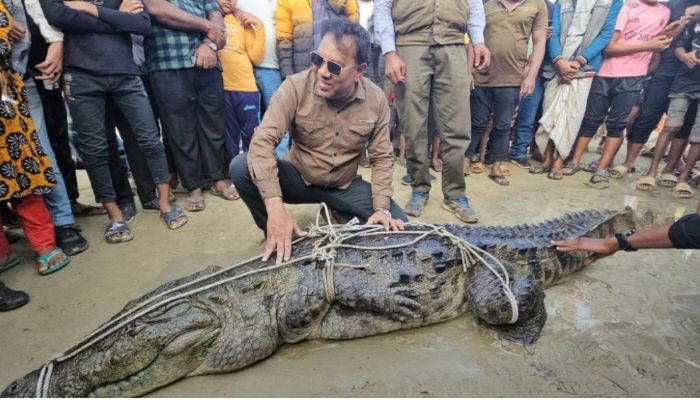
[[683, 191], [539, 170], [87, 210], [646, 184], [500, 179], [116, 228], [172, 215], [46, 259], [618, 172], [668, 180], [477, 167], [234, 194], [12, 261], [555, 175], [505, 170], [193, 204]]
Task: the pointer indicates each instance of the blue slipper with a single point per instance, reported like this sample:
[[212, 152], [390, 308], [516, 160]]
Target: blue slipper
[[46, 259]]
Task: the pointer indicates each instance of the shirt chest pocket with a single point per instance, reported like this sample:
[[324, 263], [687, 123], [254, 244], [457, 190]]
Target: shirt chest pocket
[[310, 132], [357, 136]]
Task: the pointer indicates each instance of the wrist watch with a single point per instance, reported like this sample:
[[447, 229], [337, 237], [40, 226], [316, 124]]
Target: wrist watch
[[383, 211], [622, 240], [211, 45]]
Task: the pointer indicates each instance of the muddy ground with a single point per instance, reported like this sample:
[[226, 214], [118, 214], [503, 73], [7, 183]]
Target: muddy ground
[[627, 326]]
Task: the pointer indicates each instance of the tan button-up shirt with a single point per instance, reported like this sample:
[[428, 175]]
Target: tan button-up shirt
[[326, 141]]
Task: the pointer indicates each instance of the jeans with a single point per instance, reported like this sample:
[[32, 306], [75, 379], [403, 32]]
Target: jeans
[[612, 98], [525, 121], [56, 120], [500, 102], [57, 200], [268, 80], [191, 106], [355, 201], [87, 97]]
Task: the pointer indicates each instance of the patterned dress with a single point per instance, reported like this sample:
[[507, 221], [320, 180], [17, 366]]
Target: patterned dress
[[24, 167]]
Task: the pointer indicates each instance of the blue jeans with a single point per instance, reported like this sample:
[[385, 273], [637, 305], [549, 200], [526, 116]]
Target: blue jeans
[[56, 200], [525, 121], [268, 80]]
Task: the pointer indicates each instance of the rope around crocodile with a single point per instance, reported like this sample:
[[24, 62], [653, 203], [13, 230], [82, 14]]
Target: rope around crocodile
[[335, 239]]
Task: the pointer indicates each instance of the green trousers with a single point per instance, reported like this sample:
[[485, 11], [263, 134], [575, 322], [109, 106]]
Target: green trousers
[[435, 75]]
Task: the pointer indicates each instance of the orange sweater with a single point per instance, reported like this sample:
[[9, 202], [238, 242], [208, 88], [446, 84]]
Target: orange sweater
[[244, 48]]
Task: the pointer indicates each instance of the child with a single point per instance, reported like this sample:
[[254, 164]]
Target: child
[[618, 83], [245, 47]]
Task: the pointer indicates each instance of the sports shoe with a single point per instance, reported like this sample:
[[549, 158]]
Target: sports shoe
[[461, 209], [521, 162], [417, 203], [69, 239]]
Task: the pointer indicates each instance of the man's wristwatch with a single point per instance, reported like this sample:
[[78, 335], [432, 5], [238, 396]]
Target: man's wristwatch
[[622, 240], [211, 45], [383, 211]]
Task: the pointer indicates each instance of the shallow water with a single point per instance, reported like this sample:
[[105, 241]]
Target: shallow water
[[627, 326]]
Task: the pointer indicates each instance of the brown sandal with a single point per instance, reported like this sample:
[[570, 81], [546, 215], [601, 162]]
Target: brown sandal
[[500, 179]]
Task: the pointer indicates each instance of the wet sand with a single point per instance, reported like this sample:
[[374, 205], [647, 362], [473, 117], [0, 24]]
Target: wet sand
[[627, 326]]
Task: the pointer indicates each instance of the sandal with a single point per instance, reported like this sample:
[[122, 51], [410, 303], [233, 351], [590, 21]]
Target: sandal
[[231, 195], [193, 204], [84, 210], [668, 180], [572, 168], [599, 180], [540, 169], [505, 170], [45, 261], [618, 172], [477, 168], [12, 261], [500, 179], [555, 175], [591, 167], [171, 217], [646, 184], [683, 191], [117, 228]]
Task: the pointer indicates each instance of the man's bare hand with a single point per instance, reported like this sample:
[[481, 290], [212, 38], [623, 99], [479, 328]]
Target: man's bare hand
[[599, 247], [217, 34], [280, 227], [659, 43], [690, 59], [248, 20], [394, 67], [527, 87], [131, 6], [52, 67], [205, 57], [482, 57], [18, 31], [381, 218]]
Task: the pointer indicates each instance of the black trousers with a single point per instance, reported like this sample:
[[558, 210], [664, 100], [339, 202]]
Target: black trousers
[[355, 201], [191, 106]]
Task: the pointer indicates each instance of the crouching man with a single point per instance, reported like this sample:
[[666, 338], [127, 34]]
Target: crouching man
[[332, 112]]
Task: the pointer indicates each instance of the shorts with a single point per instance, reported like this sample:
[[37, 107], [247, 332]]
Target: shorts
[[678, 108], [612, 98]]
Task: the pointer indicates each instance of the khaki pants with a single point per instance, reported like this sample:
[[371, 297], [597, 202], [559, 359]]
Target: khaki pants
[[437, 75]]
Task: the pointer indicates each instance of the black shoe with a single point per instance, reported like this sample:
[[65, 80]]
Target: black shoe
[[69, 239], [129, 211], [521, 162], [151, 205], [11, 299]]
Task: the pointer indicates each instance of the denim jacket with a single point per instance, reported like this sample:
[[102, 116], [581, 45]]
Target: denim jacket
[[598, 34]]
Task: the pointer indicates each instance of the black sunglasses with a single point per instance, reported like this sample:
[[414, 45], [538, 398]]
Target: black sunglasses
[[333, 67]]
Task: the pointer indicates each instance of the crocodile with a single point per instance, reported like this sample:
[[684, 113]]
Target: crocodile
[[371, 282]]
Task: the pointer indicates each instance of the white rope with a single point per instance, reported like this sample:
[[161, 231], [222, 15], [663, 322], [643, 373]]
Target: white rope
[[325, 253]]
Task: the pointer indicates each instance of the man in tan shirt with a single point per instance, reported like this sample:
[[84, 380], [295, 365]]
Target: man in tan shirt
[[332, 112]]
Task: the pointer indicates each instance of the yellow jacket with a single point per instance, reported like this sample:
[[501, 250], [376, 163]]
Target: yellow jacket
[[294, 31], [244, 48]]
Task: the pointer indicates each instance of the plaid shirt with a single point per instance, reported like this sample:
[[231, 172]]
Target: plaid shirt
[[171, 49]]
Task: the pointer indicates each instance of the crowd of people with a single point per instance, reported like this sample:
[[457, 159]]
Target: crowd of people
[[281, 101]]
